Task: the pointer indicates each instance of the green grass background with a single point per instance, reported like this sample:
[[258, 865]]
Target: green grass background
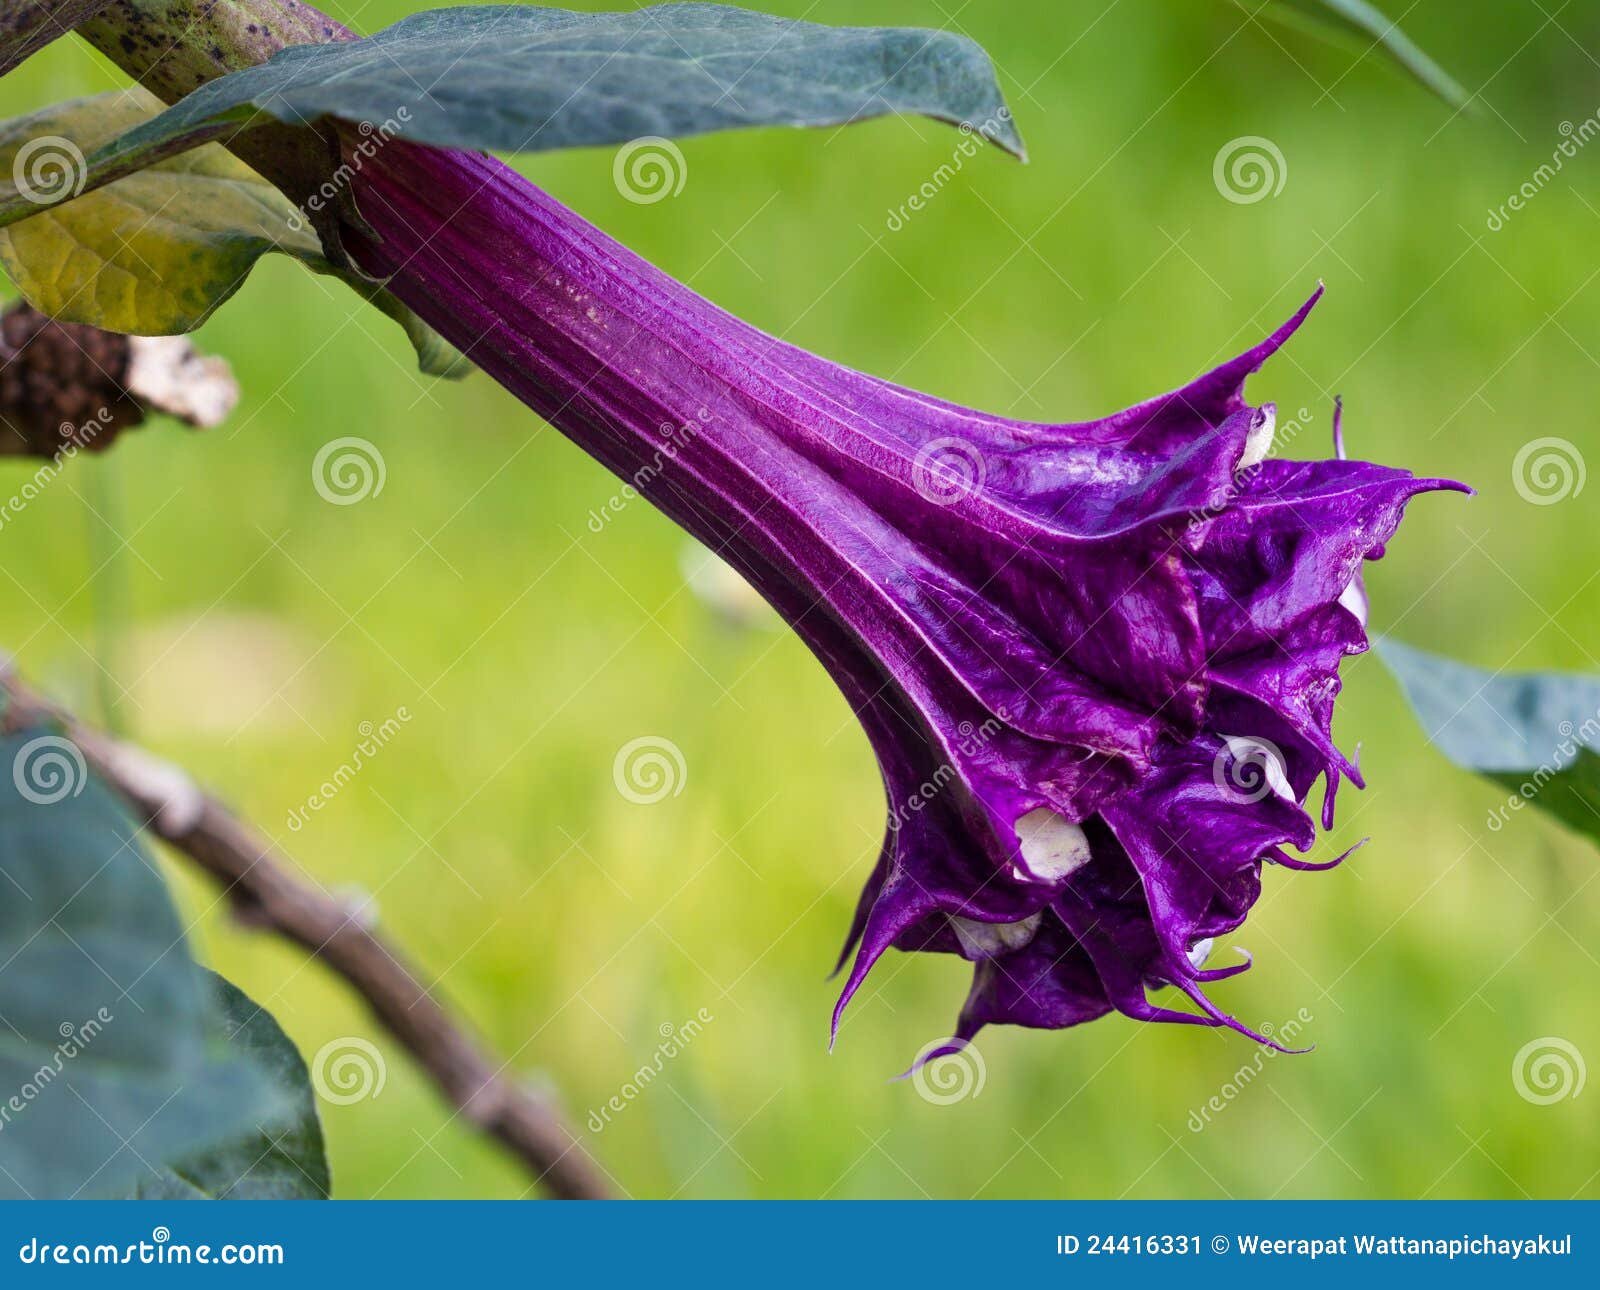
[[253, 628]]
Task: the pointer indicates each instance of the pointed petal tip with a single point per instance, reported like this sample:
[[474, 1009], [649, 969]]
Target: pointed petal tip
[[1233, 969], [1219, 1018], [1283, 859], [1299, 316], [1237, 369], [949, 1048]]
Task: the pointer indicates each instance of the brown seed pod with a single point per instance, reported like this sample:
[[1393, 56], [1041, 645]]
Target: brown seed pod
[[68, 385]]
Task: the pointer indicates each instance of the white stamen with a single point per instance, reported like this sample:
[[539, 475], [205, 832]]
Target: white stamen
[[1250, 753], [1278, 780], [1053, 848], [1354, 598], [987, 940], [1258, 443], [1200, 952]]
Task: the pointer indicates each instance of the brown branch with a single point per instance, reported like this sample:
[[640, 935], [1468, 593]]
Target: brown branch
[[29, 28], [267, 892]]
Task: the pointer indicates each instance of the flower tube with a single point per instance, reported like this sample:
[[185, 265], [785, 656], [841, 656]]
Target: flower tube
[[1096, 661]]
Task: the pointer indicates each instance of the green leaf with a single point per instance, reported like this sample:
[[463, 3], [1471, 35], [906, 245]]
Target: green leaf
[[520, 78], [1529, 732], [282, 1158], [27, 28], [1365, 24], [155, 252], [107, 1060]]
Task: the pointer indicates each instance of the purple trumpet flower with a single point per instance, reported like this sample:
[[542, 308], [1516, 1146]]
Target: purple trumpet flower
[[1097, 661]]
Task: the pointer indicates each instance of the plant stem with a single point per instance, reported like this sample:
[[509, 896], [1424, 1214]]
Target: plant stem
[[108, 586], [267, 893]]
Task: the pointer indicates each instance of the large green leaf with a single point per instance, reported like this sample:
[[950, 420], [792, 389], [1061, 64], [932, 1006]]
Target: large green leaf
[[109, 1064], [281, 1158], [1366, 25], [521, 78], [155, 252], [27, 27], [1529, 732]]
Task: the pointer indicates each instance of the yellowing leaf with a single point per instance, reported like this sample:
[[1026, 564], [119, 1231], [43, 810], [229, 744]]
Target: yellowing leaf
[[156, 252]]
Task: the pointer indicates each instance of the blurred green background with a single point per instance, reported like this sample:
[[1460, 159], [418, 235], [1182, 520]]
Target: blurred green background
[[249, 628]]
